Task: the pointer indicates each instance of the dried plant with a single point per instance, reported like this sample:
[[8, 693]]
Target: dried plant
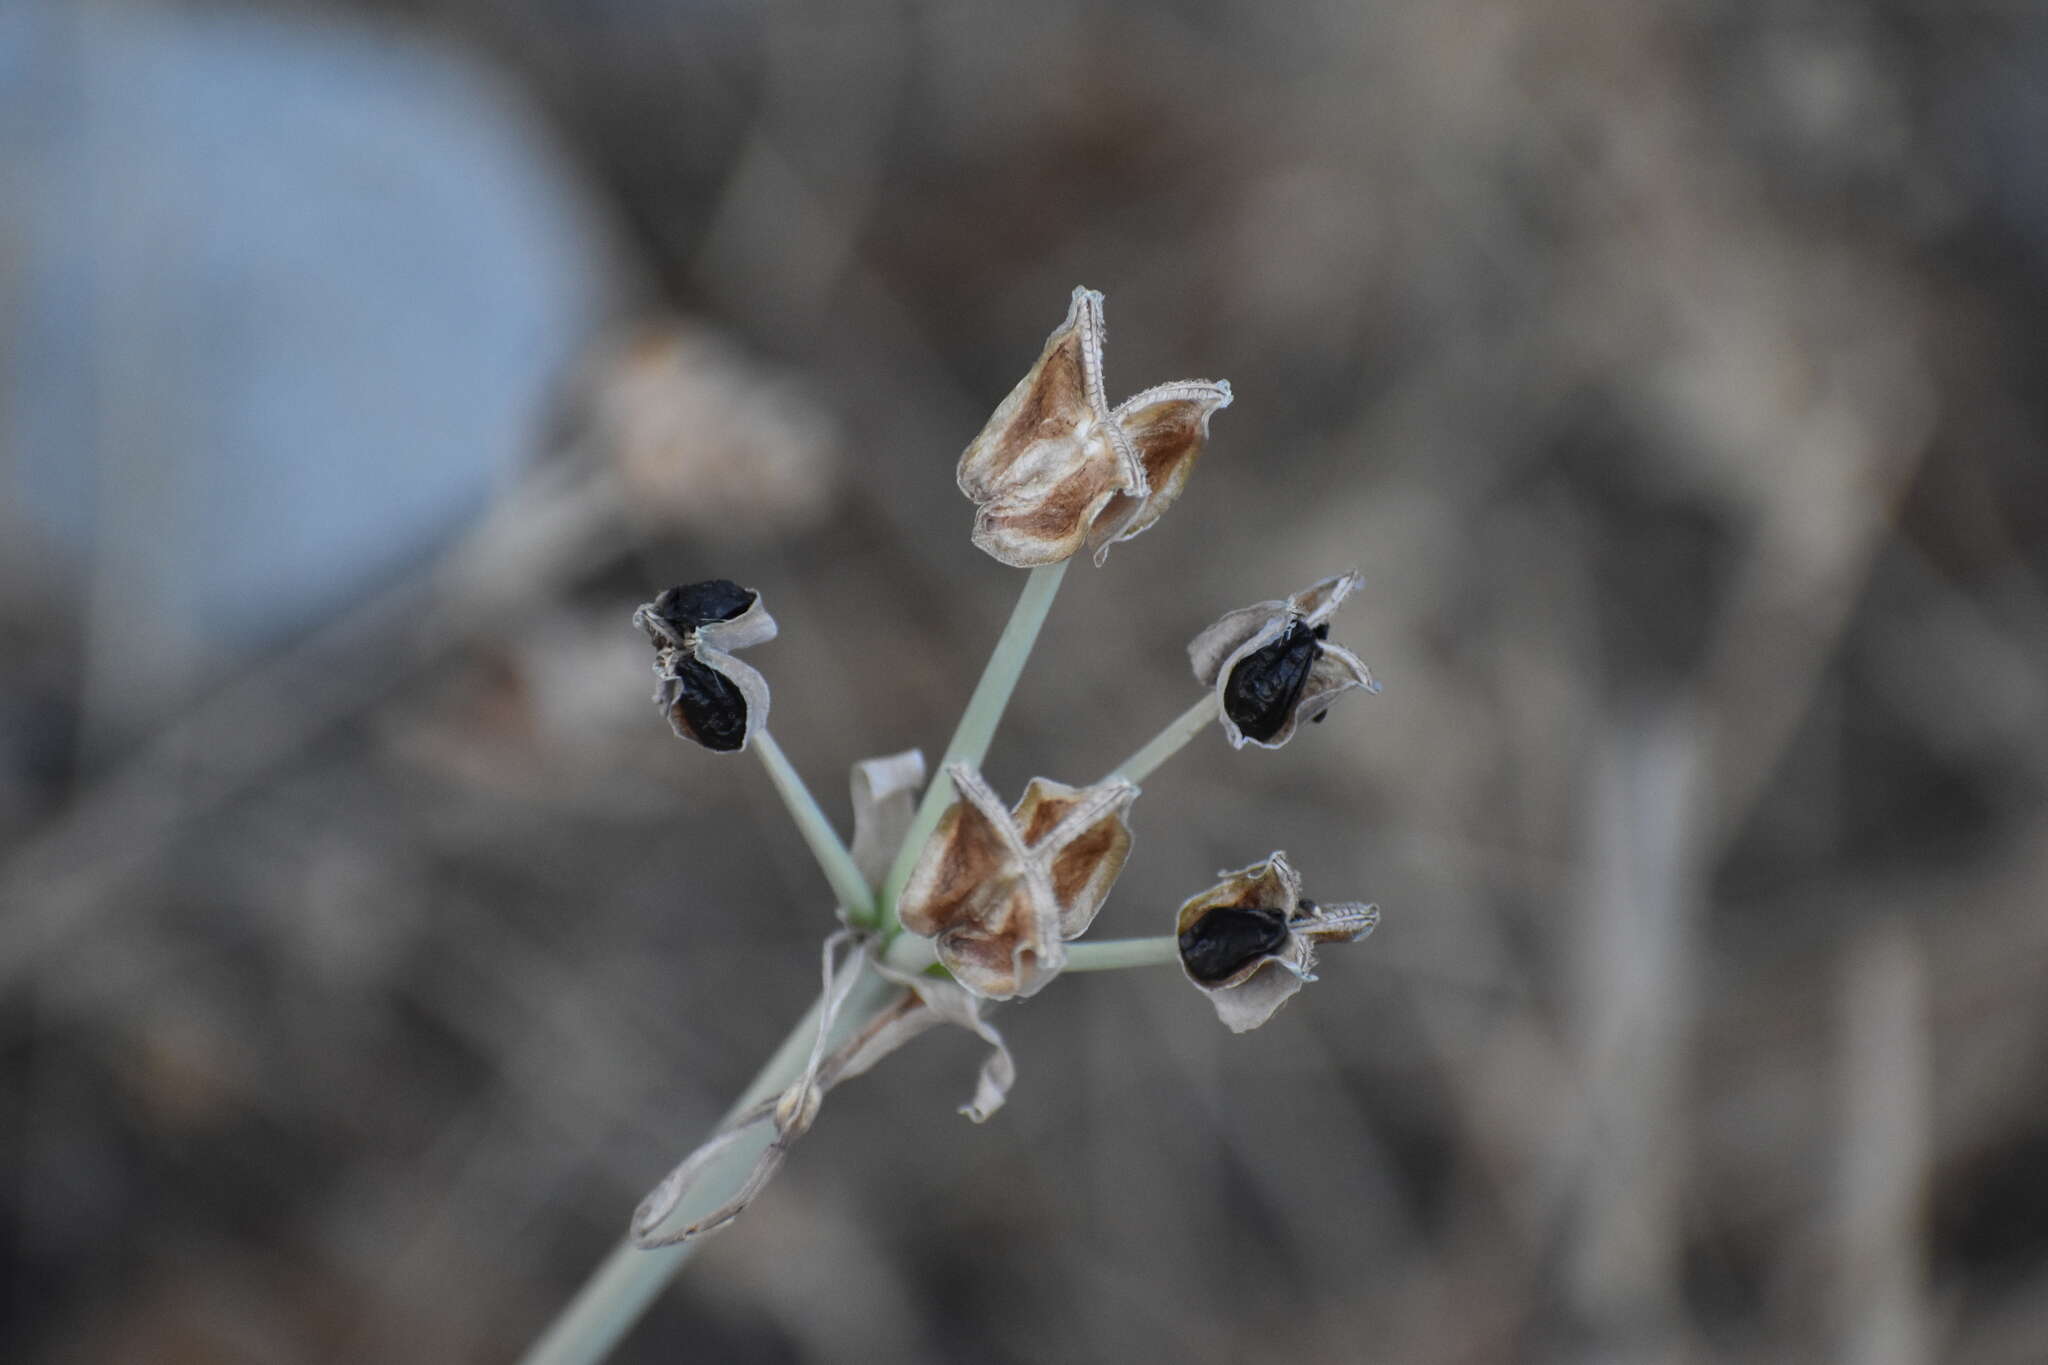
[[956, 900]]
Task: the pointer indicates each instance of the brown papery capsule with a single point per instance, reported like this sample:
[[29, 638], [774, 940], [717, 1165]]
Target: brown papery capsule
[[1057, 467], [1000, 891]]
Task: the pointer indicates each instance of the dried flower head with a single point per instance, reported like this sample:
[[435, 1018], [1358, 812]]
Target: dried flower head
[[1056, 465], [708, 696], [1273, 665], [999, 891], [1249, 941]]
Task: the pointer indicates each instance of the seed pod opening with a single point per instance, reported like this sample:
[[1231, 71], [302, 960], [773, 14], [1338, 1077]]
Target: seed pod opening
[[708, 707], [1227, 938], [1265, 687], [1249, 942], [709, 697], [1273, 665]]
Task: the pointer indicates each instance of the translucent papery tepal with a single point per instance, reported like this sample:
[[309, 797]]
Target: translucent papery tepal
[[1168, 428], [1046, 463], [884, 792]]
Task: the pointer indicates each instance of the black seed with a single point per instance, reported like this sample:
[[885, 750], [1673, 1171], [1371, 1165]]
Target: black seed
[[712, 709], [690, 606], [1266, 687], [1229, 936]]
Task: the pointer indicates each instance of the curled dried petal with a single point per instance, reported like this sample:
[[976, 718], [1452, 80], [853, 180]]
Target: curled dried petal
[[943, 1001], [1085, 839], [666, 1199], [1344, 923], [1337, 671], [1168, 427], [884, 803]]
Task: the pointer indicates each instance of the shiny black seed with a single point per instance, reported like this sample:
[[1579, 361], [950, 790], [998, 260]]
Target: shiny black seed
[[711, 708], [1222, 941], [690, 606], [1265, 688]]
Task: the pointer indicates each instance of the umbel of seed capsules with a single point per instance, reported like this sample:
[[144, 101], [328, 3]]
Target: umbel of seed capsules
[[709, 696]]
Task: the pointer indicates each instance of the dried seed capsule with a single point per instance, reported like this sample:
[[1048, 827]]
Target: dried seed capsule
[[998, 891], [1229, 937], [1272, 664], [709, 697], [1056, 467], [1249, 942]]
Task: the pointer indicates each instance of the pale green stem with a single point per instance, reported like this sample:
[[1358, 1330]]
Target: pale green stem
[[1115, 954], [977, 724], [619, 1290], [836, 862], [909, 953], [1169, 741]]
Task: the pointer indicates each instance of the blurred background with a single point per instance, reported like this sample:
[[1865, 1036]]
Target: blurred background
[[1674, 373]]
